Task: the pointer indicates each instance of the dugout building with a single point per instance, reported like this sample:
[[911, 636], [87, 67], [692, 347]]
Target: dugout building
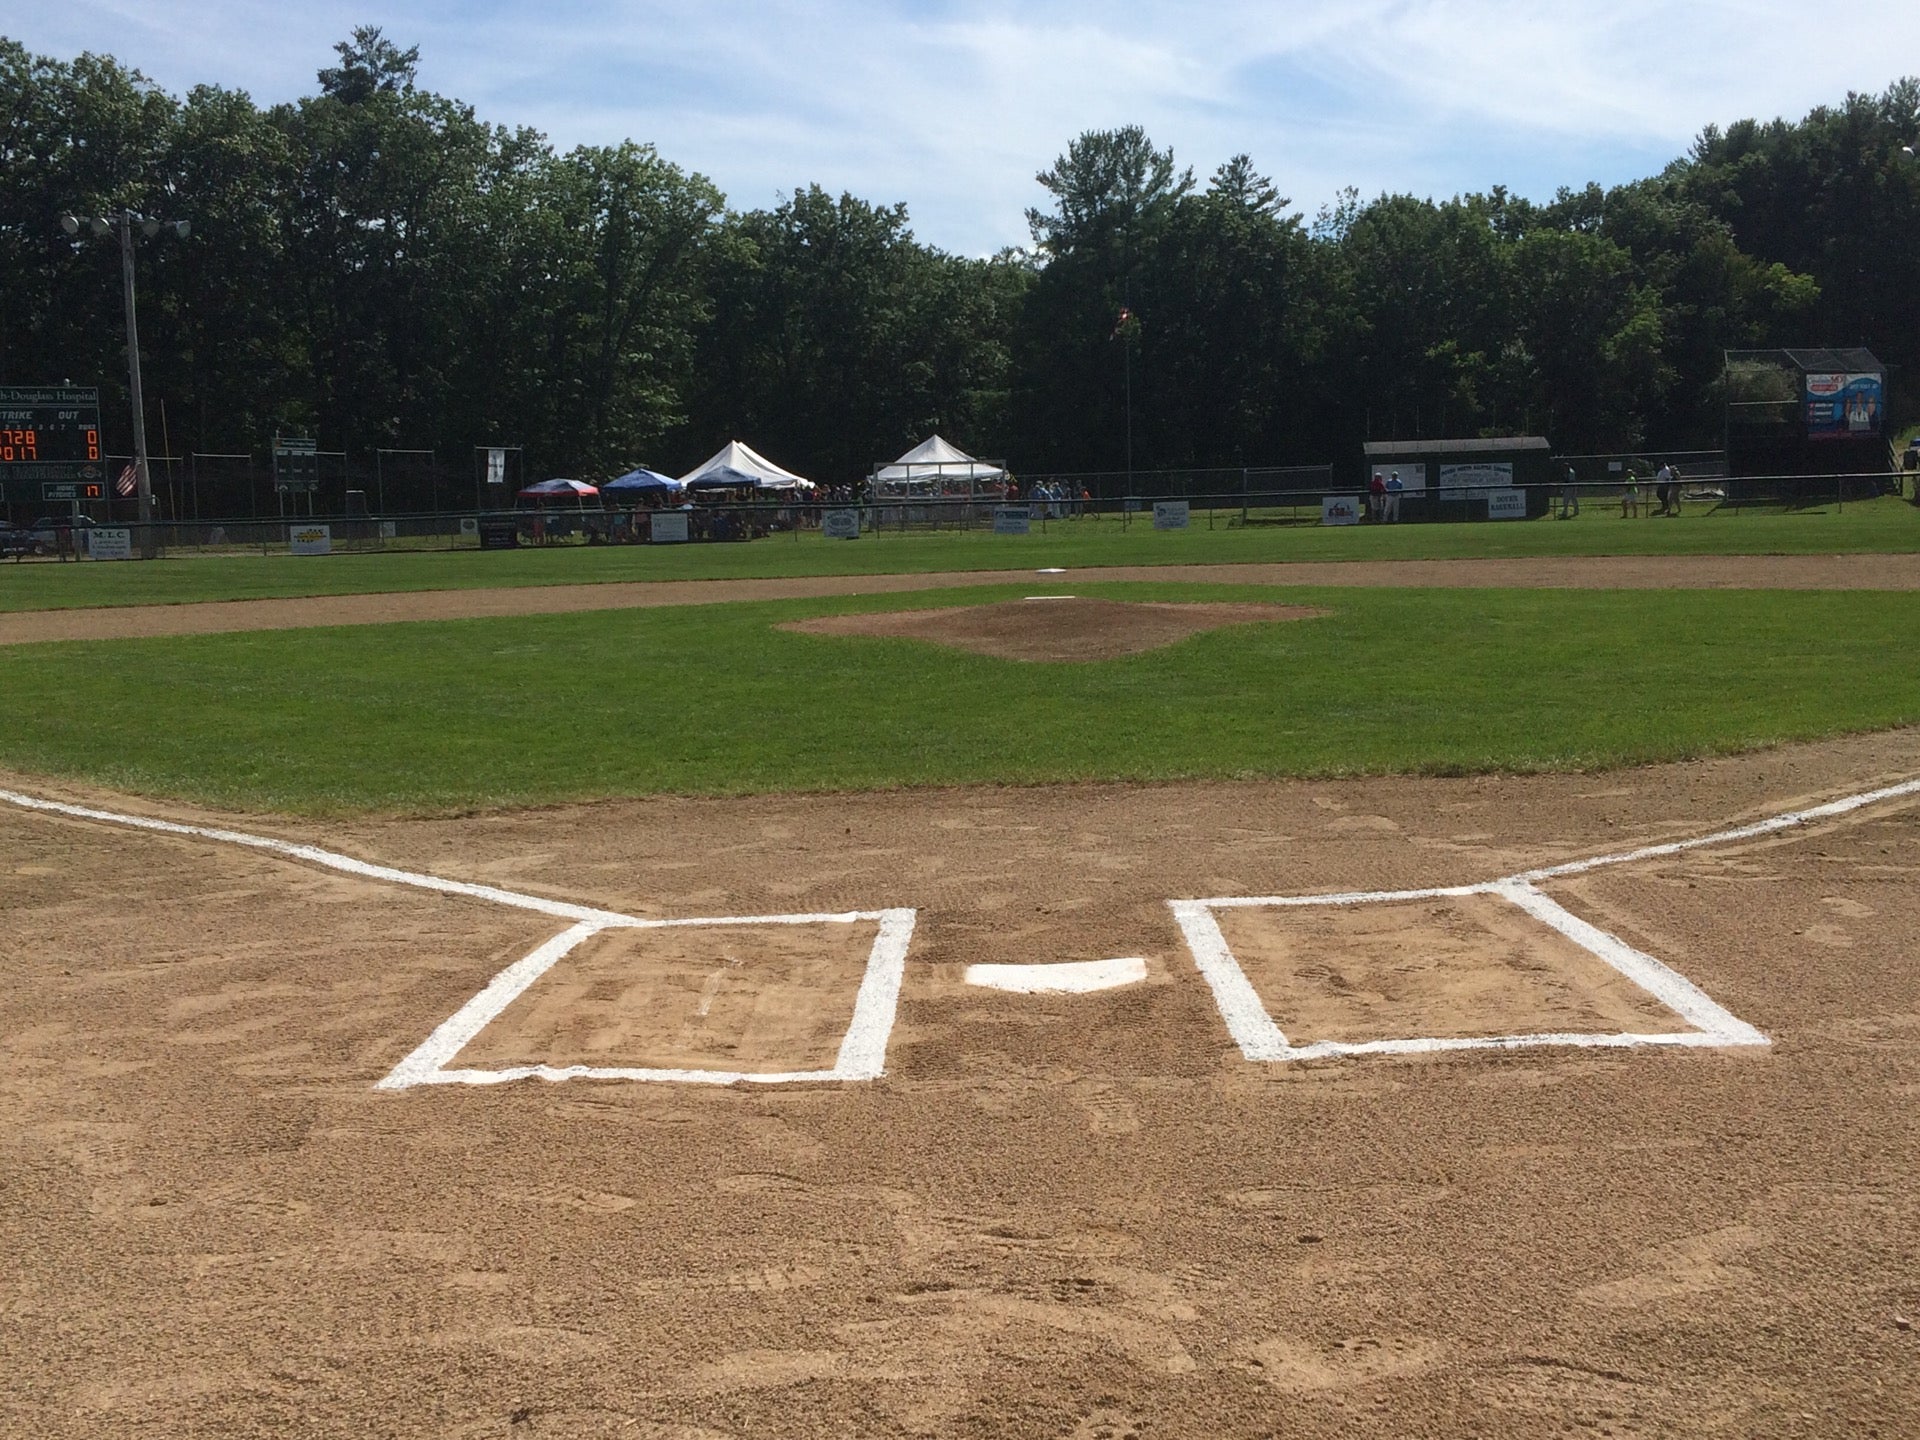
[[1465, 479]]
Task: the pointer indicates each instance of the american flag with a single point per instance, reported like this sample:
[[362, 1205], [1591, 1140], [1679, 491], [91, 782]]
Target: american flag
[[127, 483]]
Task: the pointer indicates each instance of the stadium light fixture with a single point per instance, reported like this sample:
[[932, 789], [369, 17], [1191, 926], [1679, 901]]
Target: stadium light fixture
[[102, 226]]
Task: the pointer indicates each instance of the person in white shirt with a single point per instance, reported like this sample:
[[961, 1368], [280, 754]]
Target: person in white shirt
[[1570, 495]]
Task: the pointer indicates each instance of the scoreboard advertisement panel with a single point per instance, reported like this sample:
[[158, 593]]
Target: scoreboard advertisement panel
[[50, 444]]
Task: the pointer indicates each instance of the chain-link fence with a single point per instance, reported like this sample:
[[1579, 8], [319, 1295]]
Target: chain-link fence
[[198, 500]]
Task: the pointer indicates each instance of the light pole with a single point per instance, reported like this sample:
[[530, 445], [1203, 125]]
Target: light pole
[[102, 226], [1908, 151]]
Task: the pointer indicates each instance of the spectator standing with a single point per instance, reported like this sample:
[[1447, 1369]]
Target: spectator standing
[[1377, 498], [1570, 495], [1630, 495], [1663, 489], [1395, 488]]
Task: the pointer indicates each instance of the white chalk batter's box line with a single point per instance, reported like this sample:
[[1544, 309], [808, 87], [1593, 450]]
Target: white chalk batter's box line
[[1260, 1038], [863, 1050], [862, 1054]]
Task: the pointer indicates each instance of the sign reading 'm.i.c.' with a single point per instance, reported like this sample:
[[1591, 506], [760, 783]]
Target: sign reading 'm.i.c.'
[[50, 436]]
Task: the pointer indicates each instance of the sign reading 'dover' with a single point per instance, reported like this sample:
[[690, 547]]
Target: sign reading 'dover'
[[669, 527], [310, 539], [1506, 504], [840, 524], [1170, 514], [1339, 509], [110, 542], [1012, 520]]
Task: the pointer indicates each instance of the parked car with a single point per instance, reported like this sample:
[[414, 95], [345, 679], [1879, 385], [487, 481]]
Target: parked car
[[16, 543], [46, 532]]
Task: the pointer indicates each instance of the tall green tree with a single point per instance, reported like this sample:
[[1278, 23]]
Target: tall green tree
[[1113, 196], [839, 340], [1233, 358]]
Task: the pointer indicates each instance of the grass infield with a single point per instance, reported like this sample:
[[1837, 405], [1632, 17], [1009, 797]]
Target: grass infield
[[713, 699], [1883, 525]]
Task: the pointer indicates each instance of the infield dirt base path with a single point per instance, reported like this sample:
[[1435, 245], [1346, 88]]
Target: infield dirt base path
[[1055, 1216], [1600, 572]]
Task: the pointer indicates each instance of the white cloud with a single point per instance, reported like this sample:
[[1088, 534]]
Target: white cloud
[[952, 105]]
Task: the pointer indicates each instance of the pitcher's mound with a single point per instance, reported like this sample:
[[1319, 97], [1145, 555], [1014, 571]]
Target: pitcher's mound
[[1062, 627]]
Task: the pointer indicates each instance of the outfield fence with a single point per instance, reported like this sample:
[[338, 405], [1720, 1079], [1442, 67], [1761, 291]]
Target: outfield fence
[[1212, 500]]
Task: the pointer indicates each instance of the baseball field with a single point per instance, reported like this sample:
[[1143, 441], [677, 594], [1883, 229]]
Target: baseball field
[[1438, 983]]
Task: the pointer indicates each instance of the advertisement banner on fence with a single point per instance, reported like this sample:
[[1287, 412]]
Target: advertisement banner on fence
[[1506, 505], [1012, 520], [110, 542], [840, 524], [1413, 478], [1463, 482], [1339, 509], [310, 539], [669, 527], [1842, 406], [1171, 514], [498, 534]]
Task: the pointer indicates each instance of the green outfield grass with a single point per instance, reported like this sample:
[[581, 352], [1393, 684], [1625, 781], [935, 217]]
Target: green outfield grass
[[714, 699], [1884, 525]]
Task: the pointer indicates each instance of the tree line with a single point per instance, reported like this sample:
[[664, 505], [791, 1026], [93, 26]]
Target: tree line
[[377, 265]]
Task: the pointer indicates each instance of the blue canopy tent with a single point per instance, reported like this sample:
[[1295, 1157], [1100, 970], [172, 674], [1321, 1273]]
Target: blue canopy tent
[[724, 477], [640, 481]]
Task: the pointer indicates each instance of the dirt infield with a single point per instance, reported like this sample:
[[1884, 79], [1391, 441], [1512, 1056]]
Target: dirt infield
[[1056, 1215], [1054, 628], [1694, 572]]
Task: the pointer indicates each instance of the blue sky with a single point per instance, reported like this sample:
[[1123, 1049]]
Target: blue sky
[[952, 105]]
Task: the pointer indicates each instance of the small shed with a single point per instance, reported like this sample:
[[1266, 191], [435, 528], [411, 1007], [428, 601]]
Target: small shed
[[1453, 479]]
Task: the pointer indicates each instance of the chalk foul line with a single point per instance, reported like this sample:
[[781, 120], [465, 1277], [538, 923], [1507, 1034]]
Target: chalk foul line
[[863, 1050], [1260, 1038], [862, 1053]]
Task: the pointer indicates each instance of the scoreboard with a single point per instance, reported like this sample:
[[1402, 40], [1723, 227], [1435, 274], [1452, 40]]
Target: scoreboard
[[50, 444]]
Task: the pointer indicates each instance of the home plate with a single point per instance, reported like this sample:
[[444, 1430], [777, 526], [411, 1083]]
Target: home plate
[[1073, 977]]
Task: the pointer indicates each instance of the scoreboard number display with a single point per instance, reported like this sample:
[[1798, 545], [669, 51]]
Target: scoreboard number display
[[50, 436]]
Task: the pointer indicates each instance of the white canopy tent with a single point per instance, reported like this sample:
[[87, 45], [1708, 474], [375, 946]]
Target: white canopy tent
[[736, 464], [935, 467]]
